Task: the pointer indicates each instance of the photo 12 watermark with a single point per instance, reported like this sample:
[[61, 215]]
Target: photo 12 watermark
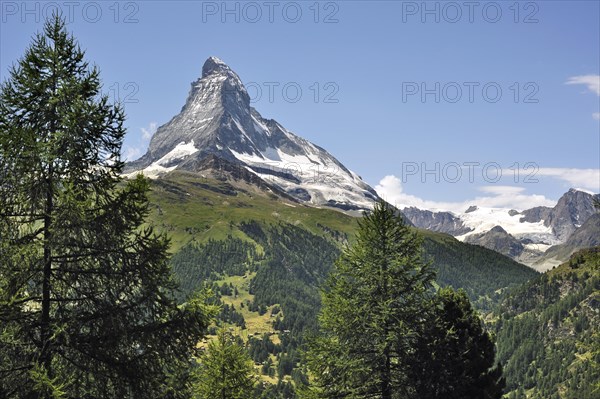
[[468, 171], [293, 92], [470, 92], [452, 12], [252, 12], [122, 93], [124, 12]]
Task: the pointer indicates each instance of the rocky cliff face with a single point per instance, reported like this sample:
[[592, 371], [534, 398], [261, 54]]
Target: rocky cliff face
[[444, 222], [498, 240], [571, 211], [525, 236], [218, 121]]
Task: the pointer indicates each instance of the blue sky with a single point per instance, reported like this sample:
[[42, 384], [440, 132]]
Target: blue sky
[[437, 104]]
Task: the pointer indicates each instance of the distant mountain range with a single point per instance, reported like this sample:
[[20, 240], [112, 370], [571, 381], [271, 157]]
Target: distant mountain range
[[218, 135], [541, 237], [218, 130]]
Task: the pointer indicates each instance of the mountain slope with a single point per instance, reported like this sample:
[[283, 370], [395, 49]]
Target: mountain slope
[[265, 256], [194, 210], [443, 222], [585, 236], [548, 332], [499, 240], [217, 121], [571, 211], [525, 235]]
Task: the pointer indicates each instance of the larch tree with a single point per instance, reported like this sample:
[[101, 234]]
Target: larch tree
[[384, 331], [373, 307], [86, 292], [225, 370]]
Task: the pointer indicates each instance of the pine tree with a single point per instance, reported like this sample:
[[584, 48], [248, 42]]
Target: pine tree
[[385, 333], [226, 370], [86, 292], [373, 306], [454, 355]]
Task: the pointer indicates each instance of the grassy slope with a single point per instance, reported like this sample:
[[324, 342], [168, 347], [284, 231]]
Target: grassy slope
[[193, 209]]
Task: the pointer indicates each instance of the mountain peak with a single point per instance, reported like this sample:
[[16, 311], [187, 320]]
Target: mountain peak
[[498, 229], [214, 65], [217, 121]]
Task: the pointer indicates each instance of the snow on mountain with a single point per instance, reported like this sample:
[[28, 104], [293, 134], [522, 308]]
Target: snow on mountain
[[482, 220], [168, 162], [525, 236], [316, 178], [217, 120]]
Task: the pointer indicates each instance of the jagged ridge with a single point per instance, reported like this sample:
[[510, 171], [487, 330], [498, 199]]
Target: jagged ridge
[[217, 120]]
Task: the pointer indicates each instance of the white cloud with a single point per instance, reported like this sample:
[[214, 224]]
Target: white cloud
[[510, 197], [390, 188], [132, 153], [585, 178], [502, 190], [148, 132], [592, 82]]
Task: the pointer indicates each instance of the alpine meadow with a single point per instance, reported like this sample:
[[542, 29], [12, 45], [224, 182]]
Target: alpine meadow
[[220, 255]]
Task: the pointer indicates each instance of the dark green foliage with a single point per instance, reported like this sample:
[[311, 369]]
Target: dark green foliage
[[384, 334], [477, 270], [294, 263], [194, 264], [454, 355], [228, 314], [372, 312], [225, 370], [287, 362], [548, 335], [297, 262], [282, 389], [267, 367], [260, 349], [86, 294]]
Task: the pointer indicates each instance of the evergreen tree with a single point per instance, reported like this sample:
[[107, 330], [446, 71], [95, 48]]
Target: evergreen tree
[[373, 309], [86, 292], [226, 370], [454, 355], [384, 332]]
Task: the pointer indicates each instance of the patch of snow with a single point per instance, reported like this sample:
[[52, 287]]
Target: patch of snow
[[323, 181], [181, 151], [258, 125], [583, 190], [484, 219], [537, 247]]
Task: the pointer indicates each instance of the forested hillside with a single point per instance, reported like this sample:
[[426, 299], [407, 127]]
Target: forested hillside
[[266, 259], [220, 218], [548, 332]]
